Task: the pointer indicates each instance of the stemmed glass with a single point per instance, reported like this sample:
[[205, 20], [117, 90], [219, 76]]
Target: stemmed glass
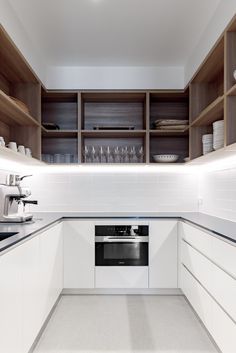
[[132, 154], [116, 154], [86, 154], [140, 154], [101, 154], [108, 154], [93, 154], [125, 154]]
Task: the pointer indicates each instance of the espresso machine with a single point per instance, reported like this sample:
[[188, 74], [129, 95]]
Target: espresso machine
[[13, 200]]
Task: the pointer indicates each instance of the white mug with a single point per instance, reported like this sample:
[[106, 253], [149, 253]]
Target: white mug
[[13, 146], [21, 149], [28, 152], [2, 141]]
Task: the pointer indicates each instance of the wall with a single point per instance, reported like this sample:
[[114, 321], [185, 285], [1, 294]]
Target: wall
[[221, 18], [63, 77], [217, 190], [15, 30], [115, 191]]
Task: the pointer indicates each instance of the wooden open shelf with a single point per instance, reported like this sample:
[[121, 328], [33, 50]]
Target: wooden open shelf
[[170, 132], [12, 114], [18, 157], [211, 113], [59, 133], [113, 133]]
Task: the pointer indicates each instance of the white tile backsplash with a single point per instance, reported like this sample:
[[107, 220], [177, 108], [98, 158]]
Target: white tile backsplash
[[115, 191], [129, 191], [218, 193]]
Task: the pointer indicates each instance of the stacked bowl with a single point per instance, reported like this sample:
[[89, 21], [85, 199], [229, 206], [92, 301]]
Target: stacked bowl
[[218, 134], [207, 143]]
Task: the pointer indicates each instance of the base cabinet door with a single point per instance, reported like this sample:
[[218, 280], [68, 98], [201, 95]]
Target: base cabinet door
[[51, 268], [79, 254], [31, 292], [11, 302], [163, 263]]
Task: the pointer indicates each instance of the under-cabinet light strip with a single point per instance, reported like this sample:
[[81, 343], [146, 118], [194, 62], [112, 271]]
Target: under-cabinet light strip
[[228, 162]]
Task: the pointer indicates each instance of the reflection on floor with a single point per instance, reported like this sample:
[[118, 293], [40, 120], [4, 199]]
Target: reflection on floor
[[92, 324]]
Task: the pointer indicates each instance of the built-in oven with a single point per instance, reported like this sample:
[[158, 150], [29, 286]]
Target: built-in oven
[[121, 245]]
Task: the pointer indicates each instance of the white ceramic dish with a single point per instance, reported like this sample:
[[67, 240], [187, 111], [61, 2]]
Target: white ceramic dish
[[165, 158]]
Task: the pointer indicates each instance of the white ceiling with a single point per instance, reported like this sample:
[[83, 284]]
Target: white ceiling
[[115, 32]]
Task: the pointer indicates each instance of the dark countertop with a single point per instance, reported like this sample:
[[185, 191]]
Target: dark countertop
[[218, 226]]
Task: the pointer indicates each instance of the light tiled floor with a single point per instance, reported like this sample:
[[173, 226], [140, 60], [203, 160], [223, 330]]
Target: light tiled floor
[[92, 324]]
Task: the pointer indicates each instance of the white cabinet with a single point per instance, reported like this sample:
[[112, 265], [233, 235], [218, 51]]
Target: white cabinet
[[31, 291], [79, 254], [51, 268], [31, 279], [163, 263], [125, 277], [207, 267], [218, 323], [11, 302]]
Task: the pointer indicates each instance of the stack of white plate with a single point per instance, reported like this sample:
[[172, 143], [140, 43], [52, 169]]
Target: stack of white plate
[[207, 143], [218, 134]]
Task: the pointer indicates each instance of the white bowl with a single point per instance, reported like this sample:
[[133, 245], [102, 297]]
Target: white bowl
[[234, 74], [165, 158]]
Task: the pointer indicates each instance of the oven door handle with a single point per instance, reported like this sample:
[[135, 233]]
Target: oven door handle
[[123, 240]]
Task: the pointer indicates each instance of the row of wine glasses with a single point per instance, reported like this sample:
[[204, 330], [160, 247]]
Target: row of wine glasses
[[113, 154]]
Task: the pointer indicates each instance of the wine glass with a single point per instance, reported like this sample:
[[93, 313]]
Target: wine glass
[[116, 154], [108, 154], [101, 154], [93, 154], [125, 154], [132, 154], [86, 154], [140, 154]]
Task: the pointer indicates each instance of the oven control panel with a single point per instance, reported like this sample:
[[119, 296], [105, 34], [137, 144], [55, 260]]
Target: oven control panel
[[121, 230]]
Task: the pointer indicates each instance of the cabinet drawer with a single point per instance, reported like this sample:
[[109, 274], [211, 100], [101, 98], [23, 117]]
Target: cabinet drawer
[[224, 255], [196, 237], [121, 277], [219, 284], [219, 251], [219, 325], [197, 296]]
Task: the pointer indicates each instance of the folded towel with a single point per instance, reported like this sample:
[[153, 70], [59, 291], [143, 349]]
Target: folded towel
[[165, 122]]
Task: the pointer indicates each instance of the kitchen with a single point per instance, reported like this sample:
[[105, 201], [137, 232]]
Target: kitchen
[[117, 176]]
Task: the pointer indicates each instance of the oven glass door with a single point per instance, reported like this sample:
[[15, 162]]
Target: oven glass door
[[121, 254]]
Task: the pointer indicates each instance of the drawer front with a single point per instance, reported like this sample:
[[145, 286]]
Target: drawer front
[[224, 255], [197, 296], [219, 325], [219, 284], [124, 277], [196, 237], [219, 251]]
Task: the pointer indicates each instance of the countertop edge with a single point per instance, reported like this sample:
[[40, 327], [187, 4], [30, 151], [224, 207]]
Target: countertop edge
[[53, 219]]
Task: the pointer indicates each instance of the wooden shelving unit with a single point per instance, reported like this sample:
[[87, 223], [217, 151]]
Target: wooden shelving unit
[[18, 157], [18, 80], [12, 114], [169, 132], [59, 133], [211, 113], [232, 91], [113, 133], [80, 115]]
